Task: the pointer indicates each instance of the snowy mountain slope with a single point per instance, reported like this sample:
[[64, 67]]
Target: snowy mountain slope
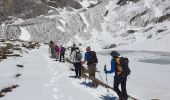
[[9, 32], [104, 22], [138, 30], [132, 26], [71, 23], [63, 24], [149, 71], [145, 20]]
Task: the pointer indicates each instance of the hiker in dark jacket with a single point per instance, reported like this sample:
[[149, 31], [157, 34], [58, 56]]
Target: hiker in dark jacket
[[56, 49], [51, 46], [91, 62], [77, 56], [62, 53], [118, 79], [73, 47]]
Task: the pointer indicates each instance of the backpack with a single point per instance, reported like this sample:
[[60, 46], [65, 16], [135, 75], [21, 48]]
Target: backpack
[[56, 48], [78, 56], [63, 49], [122, 67], [92, 57], [72, 49]]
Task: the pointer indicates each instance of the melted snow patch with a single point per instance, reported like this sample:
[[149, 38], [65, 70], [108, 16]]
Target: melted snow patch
[[25, 35], [61, 28], [2, 24]]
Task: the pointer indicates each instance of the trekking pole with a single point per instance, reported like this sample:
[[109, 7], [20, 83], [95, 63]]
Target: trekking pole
[[100, 76], [106, 83], [84, 74], [107, 87]]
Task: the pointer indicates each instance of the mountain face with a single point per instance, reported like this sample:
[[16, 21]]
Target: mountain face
[[22, 9], [63, 3], [130, 21], [60, 24], [111, 22], [26, 9]]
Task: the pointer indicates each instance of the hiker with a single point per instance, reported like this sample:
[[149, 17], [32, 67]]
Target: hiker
[[73, 47], [120, 77], [51, 45], [56, 49], [62, 53], [91, 59], [77, 56]]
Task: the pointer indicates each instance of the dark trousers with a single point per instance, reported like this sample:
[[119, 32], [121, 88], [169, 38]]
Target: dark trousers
[[62, 57], [77, 66], [121, 81]]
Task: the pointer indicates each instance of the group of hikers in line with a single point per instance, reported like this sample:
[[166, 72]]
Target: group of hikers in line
[[57, 52], [119, 65]]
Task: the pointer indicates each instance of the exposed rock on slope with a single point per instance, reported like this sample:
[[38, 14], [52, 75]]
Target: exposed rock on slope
[[63, 3]]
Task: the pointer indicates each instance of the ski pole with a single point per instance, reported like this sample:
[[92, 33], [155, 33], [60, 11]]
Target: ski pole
[[100, 77], [106, 82]]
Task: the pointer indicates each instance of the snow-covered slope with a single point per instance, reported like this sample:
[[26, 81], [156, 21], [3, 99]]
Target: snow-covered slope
[[139, 30], [104, 22], [43, 78], [62, 25], [141, 23]]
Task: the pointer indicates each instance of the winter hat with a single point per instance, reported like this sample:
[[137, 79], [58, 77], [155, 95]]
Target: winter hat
[[114, 53], [88, 48]]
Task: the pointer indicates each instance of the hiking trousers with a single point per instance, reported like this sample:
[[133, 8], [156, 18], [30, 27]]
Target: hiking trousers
[[92, 70], [121, 81], [62, 58], [56, 55], [78, 67]]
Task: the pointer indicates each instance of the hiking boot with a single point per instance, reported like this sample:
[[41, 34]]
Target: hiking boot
[[1, 95], [94, 85], [121, 98], [79, 78]]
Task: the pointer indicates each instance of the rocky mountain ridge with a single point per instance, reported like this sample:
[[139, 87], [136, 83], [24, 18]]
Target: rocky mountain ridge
[[123, 21]]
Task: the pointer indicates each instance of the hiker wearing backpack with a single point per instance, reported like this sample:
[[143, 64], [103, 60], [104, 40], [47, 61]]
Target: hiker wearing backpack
[[51, 46], [91, 59], [62, 53], [119, 65], [73, 47], [77, 56], [56, 49]]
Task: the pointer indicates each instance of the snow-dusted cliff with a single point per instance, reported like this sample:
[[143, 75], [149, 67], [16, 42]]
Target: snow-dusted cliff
[[108, 22], [62, 25], [140, 21]]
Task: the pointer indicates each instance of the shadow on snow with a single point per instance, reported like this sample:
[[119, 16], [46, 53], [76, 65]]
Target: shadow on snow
[[107, 97], [88, 84]]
